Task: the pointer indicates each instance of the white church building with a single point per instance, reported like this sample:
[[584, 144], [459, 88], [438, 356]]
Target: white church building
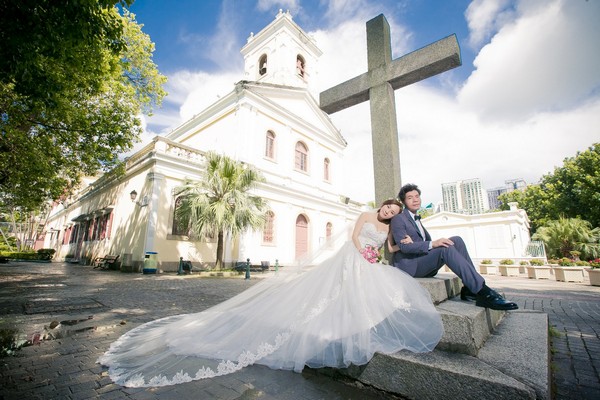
[[269, 120]]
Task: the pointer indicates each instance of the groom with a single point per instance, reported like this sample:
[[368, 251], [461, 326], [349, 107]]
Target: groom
[[424, 257]]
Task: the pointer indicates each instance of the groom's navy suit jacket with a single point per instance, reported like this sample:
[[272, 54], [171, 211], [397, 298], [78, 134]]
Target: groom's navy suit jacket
[[406, 259]]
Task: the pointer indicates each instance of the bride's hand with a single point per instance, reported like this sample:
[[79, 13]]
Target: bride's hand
[[406, 240]]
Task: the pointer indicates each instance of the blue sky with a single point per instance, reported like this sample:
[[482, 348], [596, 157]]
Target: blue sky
[[526, 96]]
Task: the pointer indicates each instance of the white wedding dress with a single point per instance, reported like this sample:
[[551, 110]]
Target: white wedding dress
[[334, 314]]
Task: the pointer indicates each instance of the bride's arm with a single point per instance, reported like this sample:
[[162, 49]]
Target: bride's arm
[[357, 227]]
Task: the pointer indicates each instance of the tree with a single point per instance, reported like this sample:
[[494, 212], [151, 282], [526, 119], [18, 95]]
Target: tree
[[564, 236], [74, 78], [572, 191], [220, 202]]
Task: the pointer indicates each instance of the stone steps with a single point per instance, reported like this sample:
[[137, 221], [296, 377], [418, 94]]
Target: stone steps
[[483, 354]]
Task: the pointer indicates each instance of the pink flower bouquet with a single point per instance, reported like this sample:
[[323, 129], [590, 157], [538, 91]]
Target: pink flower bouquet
[[371, 254]]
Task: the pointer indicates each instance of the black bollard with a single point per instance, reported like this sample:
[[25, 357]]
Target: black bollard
[[180, 270], [247, 268]]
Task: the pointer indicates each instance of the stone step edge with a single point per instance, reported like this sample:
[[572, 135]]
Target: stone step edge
[[441, 287], [466, 326], [513, 364]]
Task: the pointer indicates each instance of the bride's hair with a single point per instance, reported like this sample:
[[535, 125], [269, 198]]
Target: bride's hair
[[390, 201]]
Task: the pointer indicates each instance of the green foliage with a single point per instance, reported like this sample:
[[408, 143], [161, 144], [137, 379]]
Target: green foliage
[[10, 341], [572, 191], [22, 255], [74, 77], [506, 261], [486, 261], [220, 202], [566, 262], [536, 262], [523, 263], [46, 254], [565, 235]]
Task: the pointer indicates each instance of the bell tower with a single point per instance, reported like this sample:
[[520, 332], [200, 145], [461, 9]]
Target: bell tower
[[282, 54]]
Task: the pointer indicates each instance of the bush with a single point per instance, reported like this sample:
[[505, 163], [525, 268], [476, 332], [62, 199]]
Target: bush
[[582, 263], [595, 263], [566, 262], [486, 261], [46, 254], [506, 261], [537, 262], [523, 263]]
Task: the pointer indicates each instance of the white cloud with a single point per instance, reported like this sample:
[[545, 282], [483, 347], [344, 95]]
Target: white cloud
[[544, 60], [483, 17], [264, 5]]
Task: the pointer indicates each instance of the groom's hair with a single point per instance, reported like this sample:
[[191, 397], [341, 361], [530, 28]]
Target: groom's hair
[[409, 187]]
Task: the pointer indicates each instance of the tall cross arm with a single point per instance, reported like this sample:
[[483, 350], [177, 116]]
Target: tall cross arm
[[428, 61], [424, 63], [346, 94]]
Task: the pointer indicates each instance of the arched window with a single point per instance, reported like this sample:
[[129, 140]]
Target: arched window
[[262, 65], [326, 175], [301, 158], [270, 145], [300, 65], [179, 226], [269, 229], [328, 232]]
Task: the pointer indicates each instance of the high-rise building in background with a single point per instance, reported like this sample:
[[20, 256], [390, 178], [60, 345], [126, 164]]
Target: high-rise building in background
[[509, 186], [465, 197]]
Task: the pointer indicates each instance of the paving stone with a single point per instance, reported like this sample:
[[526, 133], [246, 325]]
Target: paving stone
[[53, 368]]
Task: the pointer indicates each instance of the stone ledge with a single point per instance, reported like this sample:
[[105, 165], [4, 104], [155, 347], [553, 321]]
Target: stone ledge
[[513, 364], [466, 326]]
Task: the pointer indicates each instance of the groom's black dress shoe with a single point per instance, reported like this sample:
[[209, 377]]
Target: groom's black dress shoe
[[467, 295], [494, 301]]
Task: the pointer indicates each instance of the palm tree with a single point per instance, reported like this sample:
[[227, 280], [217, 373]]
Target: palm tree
[[220, 202], [566, 235]]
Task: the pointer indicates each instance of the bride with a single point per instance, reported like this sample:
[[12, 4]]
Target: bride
[[334, 314]]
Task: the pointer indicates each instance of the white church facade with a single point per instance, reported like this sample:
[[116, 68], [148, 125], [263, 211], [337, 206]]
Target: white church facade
[[269, 120]]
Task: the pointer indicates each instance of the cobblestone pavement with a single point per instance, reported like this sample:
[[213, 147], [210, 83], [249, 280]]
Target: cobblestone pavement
[[574, 315], [95, 307]]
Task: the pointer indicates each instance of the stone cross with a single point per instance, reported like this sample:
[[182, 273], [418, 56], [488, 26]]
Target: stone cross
[[385, 75]]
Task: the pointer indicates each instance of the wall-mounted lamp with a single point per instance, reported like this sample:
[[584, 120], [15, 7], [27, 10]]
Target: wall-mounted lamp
[[142, 203]]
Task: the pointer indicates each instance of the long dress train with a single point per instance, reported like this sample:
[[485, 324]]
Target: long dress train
[[337, 313]]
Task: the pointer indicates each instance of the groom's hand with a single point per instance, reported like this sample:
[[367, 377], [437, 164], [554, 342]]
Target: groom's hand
[[443, 242]]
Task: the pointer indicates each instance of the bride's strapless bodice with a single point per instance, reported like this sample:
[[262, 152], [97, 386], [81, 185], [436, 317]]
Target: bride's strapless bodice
[[369, 235]]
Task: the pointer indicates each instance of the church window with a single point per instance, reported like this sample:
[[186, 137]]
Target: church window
[[301, 159], [262, 65], [328, 233], [300, 65], [269, 229], [326, 172], [270, 145], [179, 225]]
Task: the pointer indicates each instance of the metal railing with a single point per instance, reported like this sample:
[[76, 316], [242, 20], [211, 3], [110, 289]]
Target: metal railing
[[536, 249]]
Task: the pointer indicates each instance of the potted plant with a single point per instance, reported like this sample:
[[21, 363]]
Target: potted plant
[[508, 268], [594, 272], [538, 270], [486, 267], [523, 267], [567, 270]]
